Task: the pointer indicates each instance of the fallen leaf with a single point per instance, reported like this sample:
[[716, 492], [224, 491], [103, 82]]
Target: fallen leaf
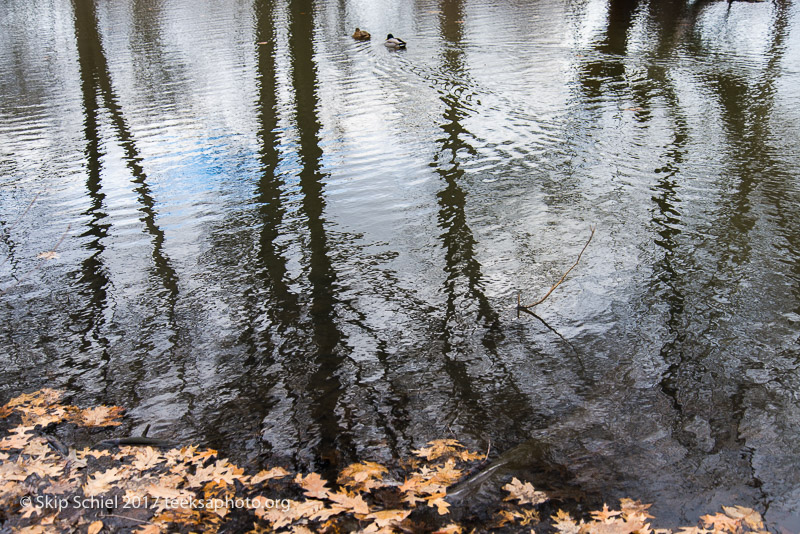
[[43, 468], [99, 416], [750, 516], [363, 475], [18, 439], [525, 493], [168, 497], [525, 517], [503, 518], [410, 484], [634, 509], [180, 456], [313, 484], [13, 471], [363, 470], [49, 255], [373, 528], [722, 522], [452, 528], [204, 454], [438, 448], [59, 487], [615, 525], [95, 527], [470, 456], [308, 508], [605, 514], [147, 458], [42, 397], [101, 482], [221, 470], [43, 414], [278, 516], [447, 474], [437, 500], [96, 453], [268, 474], [326, 512], [37, 447], [564, 523], [355, 504], [11, 490], [386, 518]]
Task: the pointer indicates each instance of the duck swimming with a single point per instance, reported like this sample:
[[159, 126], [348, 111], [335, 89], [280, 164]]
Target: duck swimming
[[361, 35], [394, 42]]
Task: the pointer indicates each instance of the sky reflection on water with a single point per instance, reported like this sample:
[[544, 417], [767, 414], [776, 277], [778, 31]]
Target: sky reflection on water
[[288, 244]]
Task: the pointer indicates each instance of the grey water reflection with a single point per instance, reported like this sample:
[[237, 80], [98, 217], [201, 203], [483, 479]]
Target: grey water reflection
[[297, 247]]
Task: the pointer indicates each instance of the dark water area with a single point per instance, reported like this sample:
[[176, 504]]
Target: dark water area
[[292, 246]]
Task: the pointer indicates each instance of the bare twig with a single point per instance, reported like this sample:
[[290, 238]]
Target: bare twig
[[488, 450], [520, 307], [30, 205]]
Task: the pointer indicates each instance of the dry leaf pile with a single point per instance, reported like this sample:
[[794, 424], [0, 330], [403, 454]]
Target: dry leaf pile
[[46, 487]]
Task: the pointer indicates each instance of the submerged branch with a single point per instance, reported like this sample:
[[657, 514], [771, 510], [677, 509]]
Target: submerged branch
[[553, 330], [521, 307], [30, 205]]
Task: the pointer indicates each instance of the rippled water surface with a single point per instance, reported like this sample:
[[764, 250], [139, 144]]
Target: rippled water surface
[[283, 243]]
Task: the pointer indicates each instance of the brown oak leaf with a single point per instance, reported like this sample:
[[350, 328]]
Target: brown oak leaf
[[447, 474], [363, 475], [99, 416], [605, 514], [525, 493], [564, 523], [18, 438], [438, 448], [748, 515], [355, 503], [221, 470], [44, 468], [634, 509], [437, 500], [386, 518], [269, 474], [313, 484], [722, 522], [147, 458], [101, 482]]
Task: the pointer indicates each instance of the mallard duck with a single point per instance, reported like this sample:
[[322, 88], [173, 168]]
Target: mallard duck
[[394, 42], [361, 35]]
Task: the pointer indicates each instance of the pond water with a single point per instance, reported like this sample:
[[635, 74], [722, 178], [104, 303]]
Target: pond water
[[292, 246]]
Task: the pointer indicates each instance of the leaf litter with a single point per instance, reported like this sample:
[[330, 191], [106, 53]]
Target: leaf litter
[[150, 490]]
